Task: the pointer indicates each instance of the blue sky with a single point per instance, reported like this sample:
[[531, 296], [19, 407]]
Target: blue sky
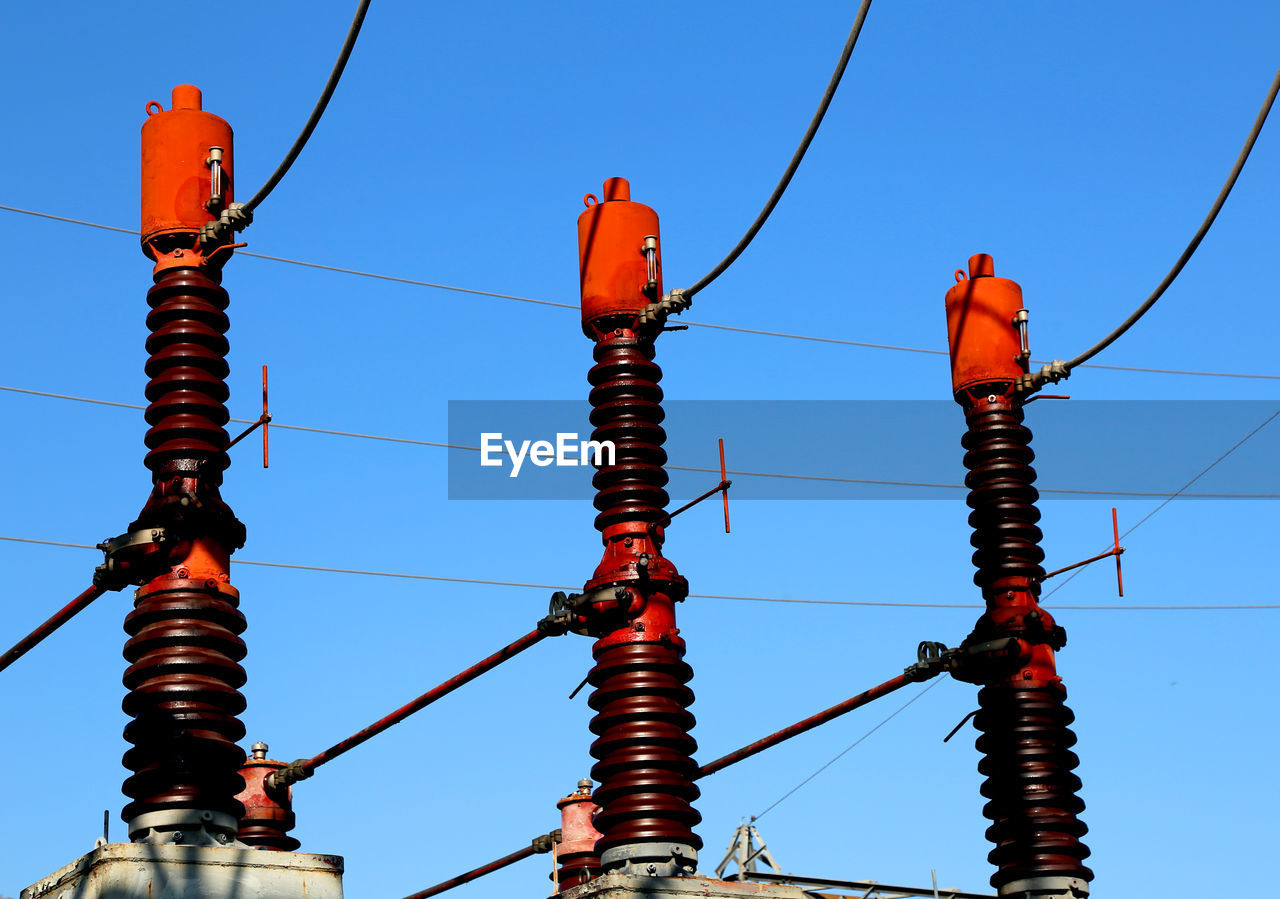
[[1078, 144]]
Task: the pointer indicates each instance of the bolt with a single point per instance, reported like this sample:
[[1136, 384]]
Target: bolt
[[652, 867], [676, 850], [178, 836], [627, 542], [211, 583], [182, 572], [1026, 675], [223, 838]]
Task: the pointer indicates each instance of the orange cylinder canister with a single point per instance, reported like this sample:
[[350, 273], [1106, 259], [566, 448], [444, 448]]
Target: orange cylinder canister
[[982, 334], [619, 256], [179, 193]]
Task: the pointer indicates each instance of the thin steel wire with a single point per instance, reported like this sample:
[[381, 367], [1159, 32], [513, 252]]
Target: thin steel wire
[[839, 341], [845, 751], [405, 575], [833, 479]]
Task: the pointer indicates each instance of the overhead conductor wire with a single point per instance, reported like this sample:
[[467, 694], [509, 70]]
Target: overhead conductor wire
[[833, 479], [1191, 247], [407, 575], [813, 338], [317, 111], [796, 158]]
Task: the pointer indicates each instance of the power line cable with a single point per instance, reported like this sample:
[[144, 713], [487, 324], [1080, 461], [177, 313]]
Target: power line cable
[[813, 338], [317, 111], [796, 157], [845, 751], [405, 575], [834, 479], [1049, 373]]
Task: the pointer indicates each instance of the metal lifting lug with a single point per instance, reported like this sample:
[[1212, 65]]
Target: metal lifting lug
[[134, 558]]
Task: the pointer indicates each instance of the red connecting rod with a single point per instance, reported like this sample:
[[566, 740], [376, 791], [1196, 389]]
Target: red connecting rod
[[304, 768], [55, 621]]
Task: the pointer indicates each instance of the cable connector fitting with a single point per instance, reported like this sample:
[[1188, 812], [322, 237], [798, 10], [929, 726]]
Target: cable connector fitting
[[236, 217], [654, 316], [932, 658], [298, 769], [546, 842], [557, 622], [1052, 373]]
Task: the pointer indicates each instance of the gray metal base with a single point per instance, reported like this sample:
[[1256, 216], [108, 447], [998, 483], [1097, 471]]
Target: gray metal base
[[149, 871], [651, 859], [1045, 888], [630, 886]]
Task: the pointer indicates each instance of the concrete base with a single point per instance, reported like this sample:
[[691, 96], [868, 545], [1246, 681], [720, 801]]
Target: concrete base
[[630, 886], [142, 871]]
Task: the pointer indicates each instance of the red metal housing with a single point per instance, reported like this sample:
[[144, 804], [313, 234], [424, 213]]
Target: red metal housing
[[984, 341], [177, 170], [268, 810], [621, 270], [576, 853]]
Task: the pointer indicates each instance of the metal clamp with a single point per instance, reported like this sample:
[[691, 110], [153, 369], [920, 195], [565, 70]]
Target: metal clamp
[[932, 658], [132, 558], [655, 314], [547, 841], [1052, 373], [236, 217], [290, 774]]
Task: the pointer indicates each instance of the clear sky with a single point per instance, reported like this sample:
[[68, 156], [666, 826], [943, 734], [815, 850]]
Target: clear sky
[[1080, 144]]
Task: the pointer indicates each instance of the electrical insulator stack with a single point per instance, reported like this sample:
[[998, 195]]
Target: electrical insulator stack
[[643, 747], [1025, 741], [184, 649]]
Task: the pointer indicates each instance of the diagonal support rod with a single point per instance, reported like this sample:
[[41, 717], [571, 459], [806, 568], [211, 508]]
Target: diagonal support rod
[[914, 674], [304, 768], [538, 846], [57, 620]]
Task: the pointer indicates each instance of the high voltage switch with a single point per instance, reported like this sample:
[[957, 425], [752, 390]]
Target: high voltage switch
[[1026, 743]]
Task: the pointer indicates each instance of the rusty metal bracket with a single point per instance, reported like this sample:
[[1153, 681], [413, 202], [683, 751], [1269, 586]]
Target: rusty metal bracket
[[133, 558]]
